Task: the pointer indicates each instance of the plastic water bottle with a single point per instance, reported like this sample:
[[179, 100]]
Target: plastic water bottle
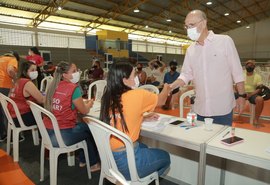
[[192, 116]]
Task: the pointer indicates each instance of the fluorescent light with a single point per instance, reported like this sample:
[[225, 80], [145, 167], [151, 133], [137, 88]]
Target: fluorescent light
[[226, 14], [239, 21], [209, 3], [136, 10], [168, 20]]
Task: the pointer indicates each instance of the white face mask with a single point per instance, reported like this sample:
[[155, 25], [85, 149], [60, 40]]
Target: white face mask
[[75, 77], [33, 75], [193, 33], [137, 82]]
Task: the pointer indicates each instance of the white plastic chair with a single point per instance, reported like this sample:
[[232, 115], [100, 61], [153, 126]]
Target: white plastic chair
[[45, 83], [16, 130], [181, 101], [102, 133], [150, 88], [100, 87], [38, 113]]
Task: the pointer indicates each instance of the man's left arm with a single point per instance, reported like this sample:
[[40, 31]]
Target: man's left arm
[[240, 102]]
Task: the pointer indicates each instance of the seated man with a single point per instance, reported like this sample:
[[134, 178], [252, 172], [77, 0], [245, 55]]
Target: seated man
[[169, 78], [253, 80]]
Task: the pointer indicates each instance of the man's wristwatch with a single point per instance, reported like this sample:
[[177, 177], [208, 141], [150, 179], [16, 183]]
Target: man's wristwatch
[[243, 95]]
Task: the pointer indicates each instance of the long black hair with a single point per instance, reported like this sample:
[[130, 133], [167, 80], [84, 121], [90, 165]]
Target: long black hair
[[111, 100]]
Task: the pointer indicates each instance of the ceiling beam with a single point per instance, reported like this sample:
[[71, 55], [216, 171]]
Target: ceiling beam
[[51, 8], [113, 13]]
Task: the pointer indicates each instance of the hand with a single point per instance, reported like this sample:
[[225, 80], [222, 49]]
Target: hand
[[240, 105], [89, 103], [167, 88], [150, 117]]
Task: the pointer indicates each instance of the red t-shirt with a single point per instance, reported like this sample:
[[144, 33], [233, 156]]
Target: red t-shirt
[[37, 59]]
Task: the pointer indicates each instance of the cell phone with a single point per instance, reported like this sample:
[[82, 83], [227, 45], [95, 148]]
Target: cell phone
[[177, 122], [232, 140]]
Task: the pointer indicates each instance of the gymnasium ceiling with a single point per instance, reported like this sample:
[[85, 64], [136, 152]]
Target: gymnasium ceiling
[[88, 16]]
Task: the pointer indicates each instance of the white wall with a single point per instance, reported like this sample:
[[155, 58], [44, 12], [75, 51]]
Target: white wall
[[253, 42]]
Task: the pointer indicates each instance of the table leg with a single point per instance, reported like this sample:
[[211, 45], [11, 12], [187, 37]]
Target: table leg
[[202, 165]]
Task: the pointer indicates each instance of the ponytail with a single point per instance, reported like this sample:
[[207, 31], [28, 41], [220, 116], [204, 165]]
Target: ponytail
[[61, 68]]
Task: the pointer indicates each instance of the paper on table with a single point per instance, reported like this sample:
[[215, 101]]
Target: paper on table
[[161, 123]]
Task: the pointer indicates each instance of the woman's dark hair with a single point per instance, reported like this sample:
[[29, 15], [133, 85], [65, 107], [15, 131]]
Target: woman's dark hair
[[24, 68], [35, 50], [111, 99]]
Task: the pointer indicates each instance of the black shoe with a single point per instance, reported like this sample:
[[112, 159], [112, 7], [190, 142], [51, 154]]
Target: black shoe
[[165, 107], [3, 138]]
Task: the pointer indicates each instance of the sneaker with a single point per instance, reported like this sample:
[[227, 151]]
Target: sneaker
[[3, 138], [93, 168]]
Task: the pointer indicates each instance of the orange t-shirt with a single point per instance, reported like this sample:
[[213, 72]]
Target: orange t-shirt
[[135, 103], [5, 79]]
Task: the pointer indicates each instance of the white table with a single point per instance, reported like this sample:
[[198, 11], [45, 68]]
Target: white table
[[252, 151], [194, 139]]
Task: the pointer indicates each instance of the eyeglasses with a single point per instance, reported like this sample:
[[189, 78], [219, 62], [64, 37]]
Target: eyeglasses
[[192, 25]]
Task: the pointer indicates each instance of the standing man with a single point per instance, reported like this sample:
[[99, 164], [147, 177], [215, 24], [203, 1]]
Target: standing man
[[8, 70], [212, 62]]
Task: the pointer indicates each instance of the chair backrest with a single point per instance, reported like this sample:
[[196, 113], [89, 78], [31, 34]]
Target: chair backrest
[[39, 112], [45, 83], [181, 101], [4, 102], [100, 87], [85, 74], [102, 133], [150, 88]]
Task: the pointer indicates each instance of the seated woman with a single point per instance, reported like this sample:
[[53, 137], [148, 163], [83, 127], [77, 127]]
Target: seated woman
[[95, 72], [157, 72], [64, 100], [123, 107], [24, 90]]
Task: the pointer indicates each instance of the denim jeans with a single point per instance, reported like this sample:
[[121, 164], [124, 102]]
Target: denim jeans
[[223, 120], [74, 135], [148, 160], [3, 118]]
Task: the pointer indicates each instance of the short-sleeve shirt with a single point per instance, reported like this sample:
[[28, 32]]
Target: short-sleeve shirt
[[5, 79], [170, 78], [37, 59], [252, 82], [213, 67], [135, 103]]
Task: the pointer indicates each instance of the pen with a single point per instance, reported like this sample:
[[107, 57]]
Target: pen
[[190, 127], [226, 133]]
